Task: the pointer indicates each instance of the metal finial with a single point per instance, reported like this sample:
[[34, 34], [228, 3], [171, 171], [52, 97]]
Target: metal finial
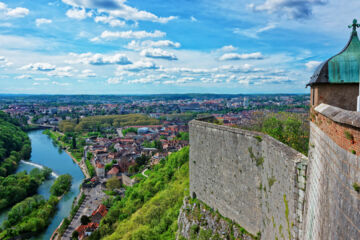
[[354, 25]]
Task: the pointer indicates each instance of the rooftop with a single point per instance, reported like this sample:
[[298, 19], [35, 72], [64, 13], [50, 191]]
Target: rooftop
[[343, 67]]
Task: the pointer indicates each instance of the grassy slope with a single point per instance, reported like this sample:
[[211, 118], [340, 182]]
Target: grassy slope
[[151, 208]]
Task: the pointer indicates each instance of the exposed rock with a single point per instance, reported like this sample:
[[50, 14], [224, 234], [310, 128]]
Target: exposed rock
[[197, 221]]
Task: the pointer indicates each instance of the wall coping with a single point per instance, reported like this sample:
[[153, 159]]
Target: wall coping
[[339, 115], [290, 152]]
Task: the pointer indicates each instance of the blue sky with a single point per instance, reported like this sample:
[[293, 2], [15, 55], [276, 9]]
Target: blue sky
[[173, 46]]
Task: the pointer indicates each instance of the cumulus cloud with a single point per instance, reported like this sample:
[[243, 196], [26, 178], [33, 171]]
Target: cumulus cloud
[[42, 79], [158, 53], [237, 56], [228, 48], [139, 66], [136, 45], [108, 35], [99, 59], [18, 12], [4, 62], [24, 76], [78, 13], [66, 71], [40, 21], [298, 9], [311, 65], [44, 67], [87, 73], [118, 8], [113, 22], [114, 80]]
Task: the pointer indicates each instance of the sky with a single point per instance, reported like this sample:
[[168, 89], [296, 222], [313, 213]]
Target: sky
[[172, 46]]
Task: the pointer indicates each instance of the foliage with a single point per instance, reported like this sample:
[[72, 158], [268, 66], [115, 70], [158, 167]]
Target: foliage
[[154, 144], [61, 185], [130, 129], [113, 183], [36, 220], [291, 129], [101, 123], [67, 126], [348, 136], [14, 145], [150, 209], [356, 187], [182, 136], [16, 187], [85, 220], [89, 166]]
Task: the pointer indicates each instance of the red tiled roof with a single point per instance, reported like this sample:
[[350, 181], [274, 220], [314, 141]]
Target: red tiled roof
[[100, 165], [113, 171], [101, 210]]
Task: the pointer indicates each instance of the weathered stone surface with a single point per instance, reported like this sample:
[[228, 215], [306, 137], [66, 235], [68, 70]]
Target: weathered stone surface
[[332, 205], [248, 177], [339, 115], [208, 221]]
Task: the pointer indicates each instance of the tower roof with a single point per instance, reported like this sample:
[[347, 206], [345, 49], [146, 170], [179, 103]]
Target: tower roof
[[343, 67]]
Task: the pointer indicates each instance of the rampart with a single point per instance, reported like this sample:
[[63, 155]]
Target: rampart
[[332, 202], [248, 177]]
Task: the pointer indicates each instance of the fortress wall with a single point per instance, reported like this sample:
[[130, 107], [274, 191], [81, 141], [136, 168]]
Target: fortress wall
[[332, 209], [248, 177]]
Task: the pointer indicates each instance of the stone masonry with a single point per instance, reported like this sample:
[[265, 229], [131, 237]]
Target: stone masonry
[[248, 177], [332, 203]]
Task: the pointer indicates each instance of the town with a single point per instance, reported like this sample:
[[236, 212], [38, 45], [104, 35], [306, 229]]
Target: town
[[117, 140]]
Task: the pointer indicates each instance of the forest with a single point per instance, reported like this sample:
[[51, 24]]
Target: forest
[[150, 209], [31, 216], [14, 145], [103, 123]]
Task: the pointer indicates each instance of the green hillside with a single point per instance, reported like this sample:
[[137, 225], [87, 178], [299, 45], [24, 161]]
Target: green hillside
[[150, 209]]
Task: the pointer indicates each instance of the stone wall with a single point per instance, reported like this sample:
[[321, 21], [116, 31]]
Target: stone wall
[[345, 95], [248, 177], [332, 204]]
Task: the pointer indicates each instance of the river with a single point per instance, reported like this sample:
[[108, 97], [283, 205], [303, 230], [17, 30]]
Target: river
[[46, 153]]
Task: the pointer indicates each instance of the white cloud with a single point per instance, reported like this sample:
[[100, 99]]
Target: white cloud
[[237, 56], [114, 80], [100, 59], [292, 9], [131, 34], [23, 77], [193, 19], [18, 12], [40, 21], [87, 73], [60, 83], [158, 53], [45, 67], [110, 20], [311, 65], [254, 32], [42, 79], [4, 62], [118, 8], [36, 84], [78, 13], [130, 13], [228, 48], [136, 45], [2, 6], [66, 71], [139, 66]]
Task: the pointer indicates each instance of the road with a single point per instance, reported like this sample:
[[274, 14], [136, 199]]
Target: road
[[119, 132], [94, 197], [143, 173]]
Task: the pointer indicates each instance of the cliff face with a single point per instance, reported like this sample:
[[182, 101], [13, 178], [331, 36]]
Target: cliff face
[[197, 221]]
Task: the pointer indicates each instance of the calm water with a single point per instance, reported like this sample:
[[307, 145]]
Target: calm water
[[45, 153]]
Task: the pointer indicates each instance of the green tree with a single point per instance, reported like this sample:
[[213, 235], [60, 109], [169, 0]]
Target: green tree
[[113, 183]]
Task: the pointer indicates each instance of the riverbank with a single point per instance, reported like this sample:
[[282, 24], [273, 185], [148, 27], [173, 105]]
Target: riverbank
[[81, 163]]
